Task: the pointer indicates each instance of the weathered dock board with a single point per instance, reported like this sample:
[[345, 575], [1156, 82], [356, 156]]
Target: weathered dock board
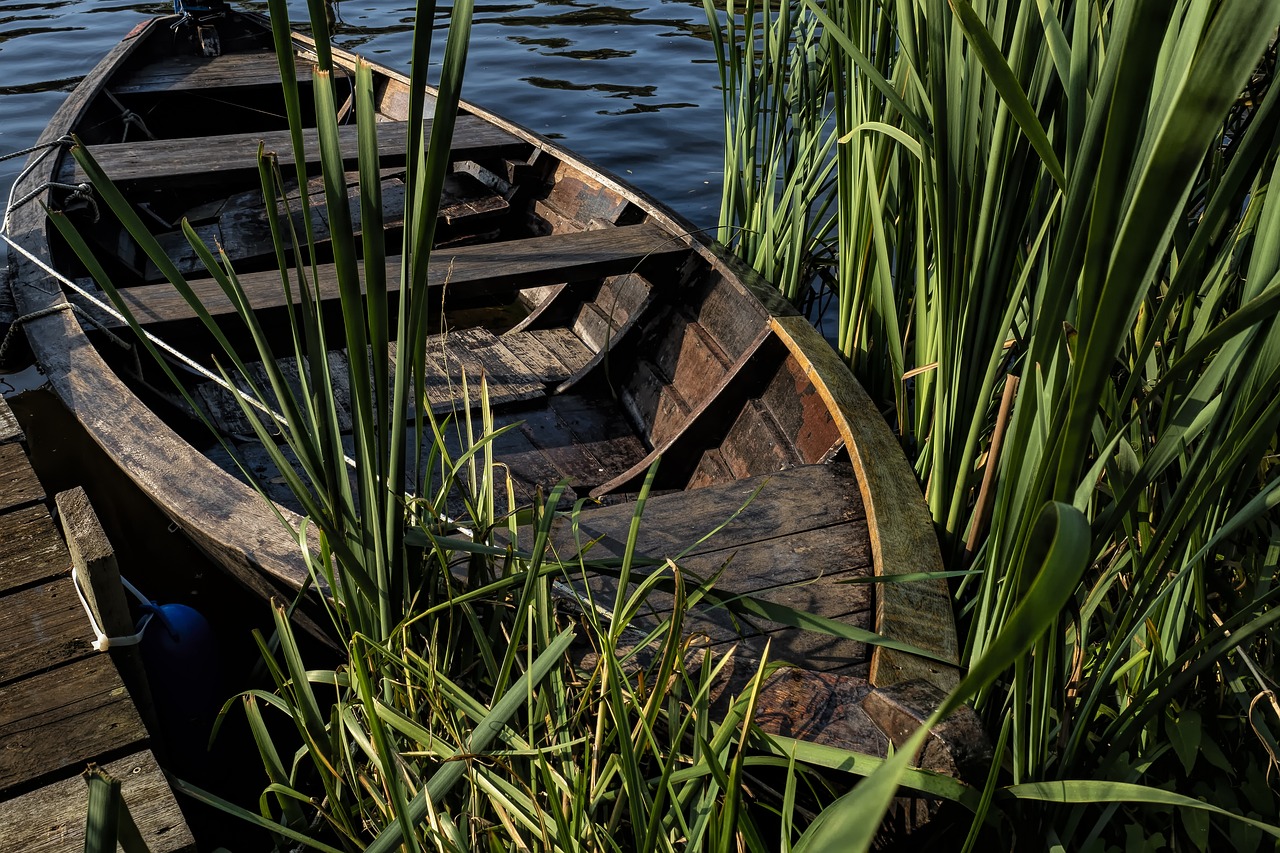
[[62, 705], [51, 819]]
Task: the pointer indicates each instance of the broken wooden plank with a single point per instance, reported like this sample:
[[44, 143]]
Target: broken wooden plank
[[472, 271], [52, 819], [222, 158]]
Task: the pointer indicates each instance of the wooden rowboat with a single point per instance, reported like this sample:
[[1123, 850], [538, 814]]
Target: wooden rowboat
[[623, 337]]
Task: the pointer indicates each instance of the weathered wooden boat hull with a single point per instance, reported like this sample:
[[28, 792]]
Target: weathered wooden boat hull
[[714, 372]]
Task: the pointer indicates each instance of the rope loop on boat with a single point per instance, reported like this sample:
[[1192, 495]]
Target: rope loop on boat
[[65, 140], [102, 642], [79, 192], [54, 309], [132, 119], [44, 148], [129, 117]]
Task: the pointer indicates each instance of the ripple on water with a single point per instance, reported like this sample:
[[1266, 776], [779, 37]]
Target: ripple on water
[[626, 83]]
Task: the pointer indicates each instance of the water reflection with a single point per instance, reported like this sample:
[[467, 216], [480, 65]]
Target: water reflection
[[604, 77]]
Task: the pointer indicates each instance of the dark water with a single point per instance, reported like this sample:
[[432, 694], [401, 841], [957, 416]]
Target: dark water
[[630, 84]]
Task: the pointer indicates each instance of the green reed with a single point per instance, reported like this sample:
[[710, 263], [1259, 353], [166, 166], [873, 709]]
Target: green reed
[[1071, 201]]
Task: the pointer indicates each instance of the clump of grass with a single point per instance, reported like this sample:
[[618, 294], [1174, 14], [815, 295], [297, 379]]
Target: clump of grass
[[1078, 196]]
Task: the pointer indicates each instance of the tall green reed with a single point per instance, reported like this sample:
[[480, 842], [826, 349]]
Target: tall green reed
[[1079, 195]]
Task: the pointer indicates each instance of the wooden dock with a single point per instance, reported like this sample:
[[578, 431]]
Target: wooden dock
[[62, 704]]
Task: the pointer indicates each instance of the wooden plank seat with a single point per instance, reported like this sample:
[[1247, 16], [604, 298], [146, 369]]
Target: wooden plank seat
[[185, 73], [219, 158], [239, 224], [476, 271], [784, 547]]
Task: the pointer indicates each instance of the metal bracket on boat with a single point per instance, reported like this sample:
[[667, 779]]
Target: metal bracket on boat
[[207, 38], [202, 15]]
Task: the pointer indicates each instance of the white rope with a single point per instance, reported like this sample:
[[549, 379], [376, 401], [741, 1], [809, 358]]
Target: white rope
[[102, 642]]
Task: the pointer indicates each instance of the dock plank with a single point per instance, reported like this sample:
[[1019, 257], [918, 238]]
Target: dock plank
[[9, 429], [52, 819], [32, 550], [18, 483], [221, 158], [473, 271], [61, 716], [57, 630]]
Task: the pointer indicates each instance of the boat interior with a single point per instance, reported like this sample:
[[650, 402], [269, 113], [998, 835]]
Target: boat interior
[[601, 332]]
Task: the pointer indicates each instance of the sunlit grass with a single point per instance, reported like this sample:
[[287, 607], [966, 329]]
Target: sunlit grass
[[1077, 195]]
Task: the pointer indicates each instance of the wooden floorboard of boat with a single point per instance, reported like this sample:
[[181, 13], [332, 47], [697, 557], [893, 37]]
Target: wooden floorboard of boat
[[219, 158], [474, 271]]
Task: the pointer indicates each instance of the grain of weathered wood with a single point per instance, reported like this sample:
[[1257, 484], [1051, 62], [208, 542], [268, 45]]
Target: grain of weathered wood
[[61, 716], [185, 73], [789, 502], [18, 483], [52, 819], [902, 537], [602, 428], [45, 626], [235, 156], [594, 327], [800, 412], [656, 405], [711, 470], [755, 444], [31, 549], [9, 429], [239, 224], [769, 572], [476, 353], [95, 561], [473, 271], [733, 323], [541, 360], [820, 708], [693, 362], [674, 428]]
